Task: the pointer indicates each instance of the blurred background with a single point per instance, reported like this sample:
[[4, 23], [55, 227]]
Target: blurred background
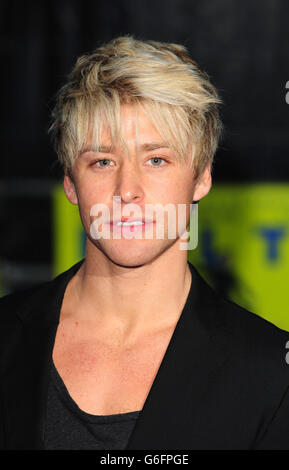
[[243, 248]]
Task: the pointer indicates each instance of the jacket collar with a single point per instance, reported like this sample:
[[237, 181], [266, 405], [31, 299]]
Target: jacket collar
[[53, 293], [187, 369], [169, 418]]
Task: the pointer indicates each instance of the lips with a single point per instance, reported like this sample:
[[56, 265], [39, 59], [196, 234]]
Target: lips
[[128, 220], [127, 225]]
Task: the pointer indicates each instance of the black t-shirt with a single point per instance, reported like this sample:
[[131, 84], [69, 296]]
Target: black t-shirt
[[70, 428]]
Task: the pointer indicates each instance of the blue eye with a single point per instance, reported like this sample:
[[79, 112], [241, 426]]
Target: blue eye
[[156, 159], [103, 160]]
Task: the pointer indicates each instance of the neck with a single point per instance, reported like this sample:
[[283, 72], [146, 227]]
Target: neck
[[130, 300]]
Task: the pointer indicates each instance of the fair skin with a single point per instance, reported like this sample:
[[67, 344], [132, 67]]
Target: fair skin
[[121, 308]]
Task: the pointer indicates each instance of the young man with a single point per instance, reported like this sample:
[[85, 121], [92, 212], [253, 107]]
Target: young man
[[130, 348]]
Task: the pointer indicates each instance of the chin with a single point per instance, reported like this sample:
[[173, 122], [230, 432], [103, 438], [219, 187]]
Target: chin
[[133, 255]]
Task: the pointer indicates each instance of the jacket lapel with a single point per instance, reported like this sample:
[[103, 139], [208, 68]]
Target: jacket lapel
[[25, 385], [27, 372], [171, 417]]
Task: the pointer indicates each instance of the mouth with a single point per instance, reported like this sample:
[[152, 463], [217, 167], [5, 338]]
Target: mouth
[[126, 221], [126, 225]]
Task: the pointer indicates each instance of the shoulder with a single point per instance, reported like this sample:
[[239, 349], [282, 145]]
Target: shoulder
[[250, 328], [257, 350], [18, 306], [244, 321], [30, 313], [236, 318], [249, 337], [12, 303]]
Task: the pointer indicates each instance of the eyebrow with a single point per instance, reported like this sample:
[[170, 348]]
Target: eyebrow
[[153, 146], [146, 147]]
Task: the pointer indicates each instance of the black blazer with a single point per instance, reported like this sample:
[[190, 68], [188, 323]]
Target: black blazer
[[222, 384]]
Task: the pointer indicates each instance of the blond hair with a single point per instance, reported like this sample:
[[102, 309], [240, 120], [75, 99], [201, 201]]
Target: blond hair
[[176, 94]]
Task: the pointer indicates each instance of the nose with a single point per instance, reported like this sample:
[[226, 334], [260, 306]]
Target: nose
[[129, 184]]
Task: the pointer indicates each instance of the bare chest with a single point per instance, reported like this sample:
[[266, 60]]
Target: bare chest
[[104, 379]]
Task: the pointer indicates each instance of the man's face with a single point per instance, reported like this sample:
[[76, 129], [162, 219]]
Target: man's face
[[153, 175]]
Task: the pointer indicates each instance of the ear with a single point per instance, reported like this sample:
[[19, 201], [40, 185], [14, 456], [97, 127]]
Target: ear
[[69, 189], [204, 184]]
